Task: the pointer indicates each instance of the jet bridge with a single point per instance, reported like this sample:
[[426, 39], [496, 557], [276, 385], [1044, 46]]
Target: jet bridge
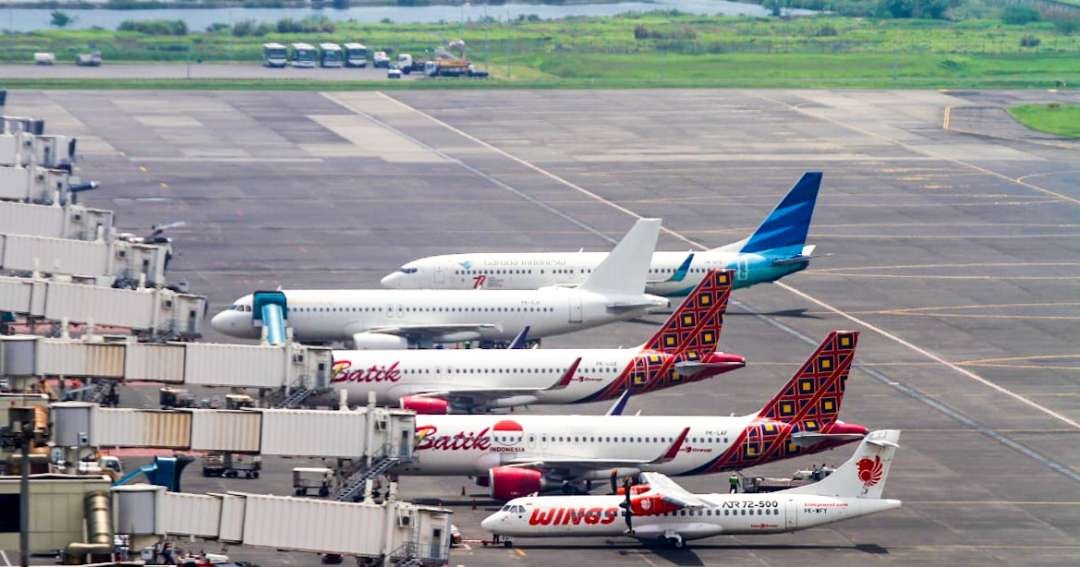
[[27, 148], [74, 222], [111, 262], [369, 433], [149, 312], [393, 532], [291, 366], [37, 184]]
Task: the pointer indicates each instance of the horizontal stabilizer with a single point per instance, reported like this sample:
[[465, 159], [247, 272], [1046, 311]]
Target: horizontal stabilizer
[[804, 439]]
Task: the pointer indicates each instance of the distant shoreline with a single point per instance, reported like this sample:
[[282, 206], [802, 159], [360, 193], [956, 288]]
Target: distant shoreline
[[264, 4]]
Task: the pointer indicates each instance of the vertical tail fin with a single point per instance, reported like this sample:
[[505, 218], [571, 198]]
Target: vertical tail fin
[[811, 399], [788, 224], [697, 323], [626, 268], [864, 474]]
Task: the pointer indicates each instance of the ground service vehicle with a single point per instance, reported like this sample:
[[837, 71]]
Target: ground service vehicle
[[303, 56], [88, 59], [356, 55], [232, 465], [330, 55], [312, 478], [381, 59], [275, 55]]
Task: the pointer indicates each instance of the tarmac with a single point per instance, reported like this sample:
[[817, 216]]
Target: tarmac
[[194, 70], [947, 236]]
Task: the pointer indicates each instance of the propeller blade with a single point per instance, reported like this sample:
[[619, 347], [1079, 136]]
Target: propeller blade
[[627, 485]]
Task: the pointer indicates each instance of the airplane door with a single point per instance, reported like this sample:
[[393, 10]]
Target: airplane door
[[743, 268], [439, 275], [791, 514], [394, 311], [575, 308]]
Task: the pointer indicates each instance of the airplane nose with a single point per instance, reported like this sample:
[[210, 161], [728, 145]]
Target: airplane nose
[[218, 322], [489, 522], [391, 280]]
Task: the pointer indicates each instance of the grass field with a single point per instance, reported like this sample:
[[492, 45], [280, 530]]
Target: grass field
[[1059, 119], [641, 50]]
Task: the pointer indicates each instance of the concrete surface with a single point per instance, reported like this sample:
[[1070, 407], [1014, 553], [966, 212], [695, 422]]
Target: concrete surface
[[956, 254]]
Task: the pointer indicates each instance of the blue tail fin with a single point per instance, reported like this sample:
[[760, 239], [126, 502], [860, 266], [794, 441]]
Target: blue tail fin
[[789, 222]]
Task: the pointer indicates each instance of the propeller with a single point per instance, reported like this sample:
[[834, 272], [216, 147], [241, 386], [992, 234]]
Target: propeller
[[614, 481], [157, 232], [625, 505]]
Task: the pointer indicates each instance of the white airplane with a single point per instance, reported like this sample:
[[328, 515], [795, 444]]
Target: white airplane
[[440, 381], [382, 319], [522, 454], [777, 248], [661, 510]]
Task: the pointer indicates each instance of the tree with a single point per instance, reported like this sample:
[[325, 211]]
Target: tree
[[60, 19]]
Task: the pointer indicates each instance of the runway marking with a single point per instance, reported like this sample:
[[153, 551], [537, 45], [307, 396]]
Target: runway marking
[[1021, 358], [149, 159], [972, 265], [940, 406], [941, 277], [910, 148], [945, 121], [519, 551], [942, 236], [5, 557], [142, 169]]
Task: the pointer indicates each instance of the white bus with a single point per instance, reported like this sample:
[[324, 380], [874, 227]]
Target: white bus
[[303, 56], [275, 55], [329, 55], [356, 55]]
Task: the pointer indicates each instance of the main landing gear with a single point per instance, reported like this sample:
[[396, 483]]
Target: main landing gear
[[674, 540]]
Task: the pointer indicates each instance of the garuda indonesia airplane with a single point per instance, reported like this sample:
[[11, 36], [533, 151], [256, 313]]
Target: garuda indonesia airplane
[[777, 248]]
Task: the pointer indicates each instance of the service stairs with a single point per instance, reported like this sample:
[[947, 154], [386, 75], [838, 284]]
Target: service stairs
[[297, 396], [354, 485]]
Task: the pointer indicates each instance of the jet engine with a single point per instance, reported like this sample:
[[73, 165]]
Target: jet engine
[[507, 483], [425, 406], [650, 505], [378, 341]]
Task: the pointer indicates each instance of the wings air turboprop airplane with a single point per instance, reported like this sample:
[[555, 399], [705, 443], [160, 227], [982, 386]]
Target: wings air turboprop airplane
[[443, 381], [385, 319], [522, 454], [661, 510], [777, 248]]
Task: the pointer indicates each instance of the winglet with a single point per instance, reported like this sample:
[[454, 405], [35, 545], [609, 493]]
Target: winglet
[[520, 341], [620, 404], [626, 268], [680, 273], [567, 376], [674, 449]]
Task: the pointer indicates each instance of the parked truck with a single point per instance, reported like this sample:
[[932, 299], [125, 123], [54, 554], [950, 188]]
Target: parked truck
[[318, 479], [231, 465]]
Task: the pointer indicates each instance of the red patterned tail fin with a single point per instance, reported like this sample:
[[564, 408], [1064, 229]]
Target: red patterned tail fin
[[696, 324], [812, 397]]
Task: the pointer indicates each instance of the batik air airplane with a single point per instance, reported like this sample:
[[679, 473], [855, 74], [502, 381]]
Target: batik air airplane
[[443, 381], [519, 455], [777, 248], [382, 319], [661, 510]]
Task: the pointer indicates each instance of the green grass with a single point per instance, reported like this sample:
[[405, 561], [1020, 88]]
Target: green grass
[[1054, 118], [680, 51]]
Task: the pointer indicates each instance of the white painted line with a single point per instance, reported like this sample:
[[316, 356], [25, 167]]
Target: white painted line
[[5, 557], [803, 295]]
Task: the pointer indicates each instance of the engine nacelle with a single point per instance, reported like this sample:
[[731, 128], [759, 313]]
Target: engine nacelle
[[425, 406], [378, 341], [635, 489], [507, 483], [650, 505]]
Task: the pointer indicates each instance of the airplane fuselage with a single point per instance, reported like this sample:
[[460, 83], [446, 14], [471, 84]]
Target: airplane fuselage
[[472, 444], [724, 514], [531, 270], [339, 315]]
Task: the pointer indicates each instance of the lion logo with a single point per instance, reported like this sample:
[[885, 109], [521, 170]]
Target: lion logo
[[870, 471]]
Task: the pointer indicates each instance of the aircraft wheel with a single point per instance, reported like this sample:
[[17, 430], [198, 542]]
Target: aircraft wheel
[[508, 544], [255, 474], [677, 542]]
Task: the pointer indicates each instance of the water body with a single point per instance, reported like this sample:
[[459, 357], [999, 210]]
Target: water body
[[22, 19]]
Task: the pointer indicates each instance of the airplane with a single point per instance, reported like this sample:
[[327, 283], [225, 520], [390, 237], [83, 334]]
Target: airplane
[[443, 381], [661, 510], [391, 319], [776, 249], [522, 454]]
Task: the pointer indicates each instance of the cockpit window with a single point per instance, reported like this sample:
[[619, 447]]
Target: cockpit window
[[407, 270], [505, 508]]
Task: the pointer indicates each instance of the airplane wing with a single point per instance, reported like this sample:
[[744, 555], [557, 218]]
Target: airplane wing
[[480, 396], [557, 462], [670, 491], [430, 331]]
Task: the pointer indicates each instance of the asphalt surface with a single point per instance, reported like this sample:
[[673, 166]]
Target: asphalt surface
[[956, 253]]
